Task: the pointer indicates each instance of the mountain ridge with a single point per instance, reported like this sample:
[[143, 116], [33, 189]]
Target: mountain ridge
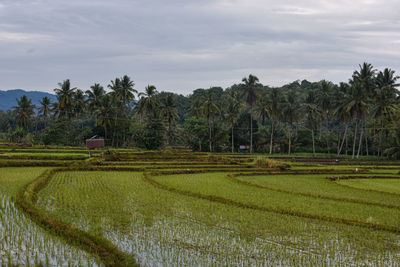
[[8, 97]]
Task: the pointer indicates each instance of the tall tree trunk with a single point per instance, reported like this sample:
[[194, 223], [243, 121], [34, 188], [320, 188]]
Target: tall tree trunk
[[36, 126], [327, 136], [366, 140], [232, 140], [251, 132], [209, 135], [313, 142], [360, 141], [354, 140], [115, 126], [344, 138], [272, 137], [290, 139], [320, 132], [380, 140]]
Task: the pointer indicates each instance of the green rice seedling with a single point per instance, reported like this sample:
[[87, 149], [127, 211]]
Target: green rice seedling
[[319, 187], [208, 186], [388, 187], [24, 243], [163, 227]]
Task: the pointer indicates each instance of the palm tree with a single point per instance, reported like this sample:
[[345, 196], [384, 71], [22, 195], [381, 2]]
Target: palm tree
[[127, 91], [387, 79], [94, 98], [79, 103], [65, 98], [115, 87], [45, 107], [122, 93], [168, 113], [393, 151], [262, 108], [366, 77], [291, 114], [313, 114], [275, 98], [196, 107], [232, 112], [105, 113], [23, 111], [210, 109], [148, 103], [324, 98], [341, 114], [385, 101], [355, 103], [250, 85]]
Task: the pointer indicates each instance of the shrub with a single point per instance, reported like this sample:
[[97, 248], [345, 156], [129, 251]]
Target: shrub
[[261, 162]]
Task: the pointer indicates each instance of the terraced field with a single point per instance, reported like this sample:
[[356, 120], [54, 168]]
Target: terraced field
[[124, 208]]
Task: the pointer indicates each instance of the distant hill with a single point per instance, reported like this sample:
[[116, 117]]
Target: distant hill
[[8, 98]]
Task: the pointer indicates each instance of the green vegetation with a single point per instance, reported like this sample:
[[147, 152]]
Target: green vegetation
[[22, 242], [177, 207], [382, 185], [354, 119]]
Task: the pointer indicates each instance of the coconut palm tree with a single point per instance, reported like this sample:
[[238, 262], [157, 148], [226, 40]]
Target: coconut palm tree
[[23, 111], [169, 114], [105, 113], [366, 77], [387, 78], [324, 98], [232, 112], [262, 108], [385, 100], [210, 110], [94, 96], [79, 103], [65, 98], [275, 112], [393, 151], [313, 114], [45, 107], [291, 114], [127, 91], [341, 113], [148, 102], [356, 104], [250, 85]]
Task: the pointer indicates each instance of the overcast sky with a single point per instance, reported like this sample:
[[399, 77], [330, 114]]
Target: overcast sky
[[181, 45]]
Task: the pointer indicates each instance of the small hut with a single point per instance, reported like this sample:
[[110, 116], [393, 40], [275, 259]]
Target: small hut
[[95, 142], [244, 149]]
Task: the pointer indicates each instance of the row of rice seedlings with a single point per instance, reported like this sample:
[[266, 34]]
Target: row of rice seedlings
[[389, 187], [169, 241], [317, 186], [208, 186], [23, 243]]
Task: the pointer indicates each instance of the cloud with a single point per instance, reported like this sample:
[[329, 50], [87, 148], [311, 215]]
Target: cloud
[[182, 45]]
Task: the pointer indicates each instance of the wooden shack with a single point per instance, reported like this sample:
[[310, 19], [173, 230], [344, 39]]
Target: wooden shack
[[94, 143], [244, 149]]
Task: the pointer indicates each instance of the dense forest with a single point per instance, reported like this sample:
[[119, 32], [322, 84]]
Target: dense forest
[[358, 117]]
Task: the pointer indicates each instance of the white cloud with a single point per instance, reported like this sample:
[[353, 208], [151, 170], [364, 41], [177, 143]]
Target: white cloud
[[182, 45], [18, 37]]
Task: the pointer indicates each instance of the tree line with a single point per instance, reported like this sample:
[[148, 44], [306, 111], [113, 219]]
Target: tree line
[[358, 117]]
